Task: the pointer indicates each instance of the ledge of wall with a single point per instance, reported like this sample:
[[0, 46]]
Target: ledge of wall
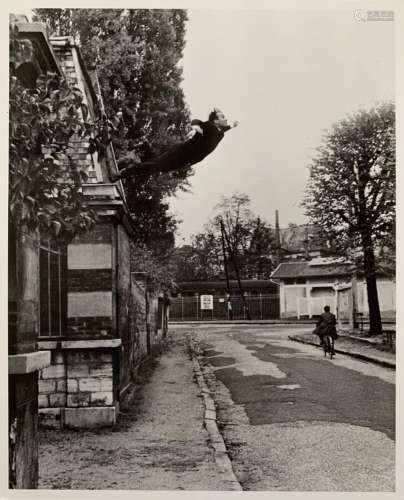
[[78, 344], [20, 364]]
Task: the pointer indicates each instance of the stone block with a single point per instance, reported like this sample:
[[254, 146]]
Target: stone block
[[43, 401], [57, 358], [58, 399], [72, 386], [92, 385], [46, 386], [54, 371], [210, 415], [51, 417], [78, 357], [101, 398], [90, 417], [78, 371], [104, 370], [61, 386], [105, 357], [106, 384], [79, 399]]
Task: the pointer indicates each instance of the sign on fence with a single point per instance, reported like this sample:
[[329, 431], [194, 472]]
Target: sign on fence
[[207, 302]]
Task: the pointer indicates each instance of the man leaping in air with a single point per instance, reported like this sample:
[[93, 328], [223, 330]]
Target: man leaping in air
[[202, 140]]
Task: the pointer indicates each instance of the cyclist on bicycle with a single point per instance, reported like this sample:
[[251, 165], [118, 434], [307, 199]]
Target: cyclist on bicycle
[[326, 325]]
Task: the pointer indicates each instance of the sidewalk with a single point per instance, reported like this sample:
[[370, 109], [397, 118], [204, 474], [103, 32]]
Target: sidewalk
[[166, 438], [364, 348]]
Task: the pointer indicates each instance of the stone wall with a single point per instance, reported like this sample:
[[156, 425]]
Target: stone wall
[[79, 388], [138, 319], [52, 383], [111, 319], [77, 379], [124, 307]]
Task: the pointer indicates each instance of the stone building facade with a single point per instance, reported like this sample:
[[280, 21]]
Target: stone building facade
[[97, 354]]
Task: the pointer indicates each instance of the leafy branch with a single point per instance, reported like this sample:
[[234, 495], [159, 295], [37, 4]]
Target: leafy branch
[[45, 184]]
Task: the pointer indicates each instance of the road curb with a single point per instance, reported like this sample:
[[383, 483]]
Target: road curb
[[221, 455], [362, 357]]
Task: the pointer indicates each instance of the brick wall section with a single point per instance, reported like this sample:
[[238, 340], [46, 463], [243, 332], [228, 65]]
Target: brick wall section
[[78, 150], [77, 378], [138, 322], [89, 378], [52, 383], [89, 280], [87, 277], [86, 327]]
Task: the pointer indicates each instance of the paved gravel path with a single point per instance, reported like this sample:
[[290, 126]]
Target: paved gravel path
[[159, 443]]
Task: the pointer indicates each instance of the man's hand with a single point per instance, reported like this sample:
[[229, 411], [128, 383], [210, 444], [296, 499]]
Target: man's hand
[[235, 124], [198, 129], [195, 129]]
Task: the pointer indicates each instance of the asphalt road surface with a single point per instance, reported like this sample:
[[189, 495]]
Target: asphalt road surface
[[296, 421]]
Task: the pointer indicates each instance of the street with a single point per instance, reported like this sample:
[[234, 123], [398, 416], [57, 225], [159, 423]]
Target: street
[[295, 421]]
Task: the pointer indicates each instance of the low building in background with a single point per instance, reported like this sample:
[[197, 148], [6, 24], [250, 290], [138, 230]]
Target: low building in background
[[305, 287]]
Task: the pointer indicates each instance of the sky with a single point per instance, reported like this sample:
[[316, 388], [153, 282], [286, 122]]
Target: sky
[[286, 76]]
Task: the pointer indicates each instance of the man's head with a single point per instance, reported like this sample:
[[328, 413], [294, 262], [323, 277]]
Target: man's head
[[327, 309], [218, 118]]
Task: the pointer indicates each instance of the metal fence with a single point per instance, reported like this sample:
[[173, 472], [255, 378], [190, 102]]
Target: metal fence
[[189, 308]]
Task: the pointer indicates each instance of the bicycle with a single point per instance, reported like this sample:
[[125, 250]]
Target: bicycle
[[328, 346]]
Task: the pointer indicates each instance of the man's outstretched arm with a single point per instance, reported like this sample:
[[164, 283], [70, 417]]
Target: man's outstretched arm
[[225, 129]]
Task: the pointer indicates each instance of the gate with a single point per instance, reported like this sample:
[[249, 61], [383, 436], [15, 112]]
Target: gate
[[260, 307]]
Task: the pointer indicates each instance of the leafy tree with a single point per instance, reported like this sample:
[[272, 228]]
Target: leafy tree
[[258, 260], [137, 55], [250, 239], [45, 184], [351, 191]]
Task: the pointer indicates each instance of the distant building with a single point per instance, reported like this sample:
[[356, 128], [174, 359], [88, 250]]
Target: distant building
[[305, 287], [300, 242]]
